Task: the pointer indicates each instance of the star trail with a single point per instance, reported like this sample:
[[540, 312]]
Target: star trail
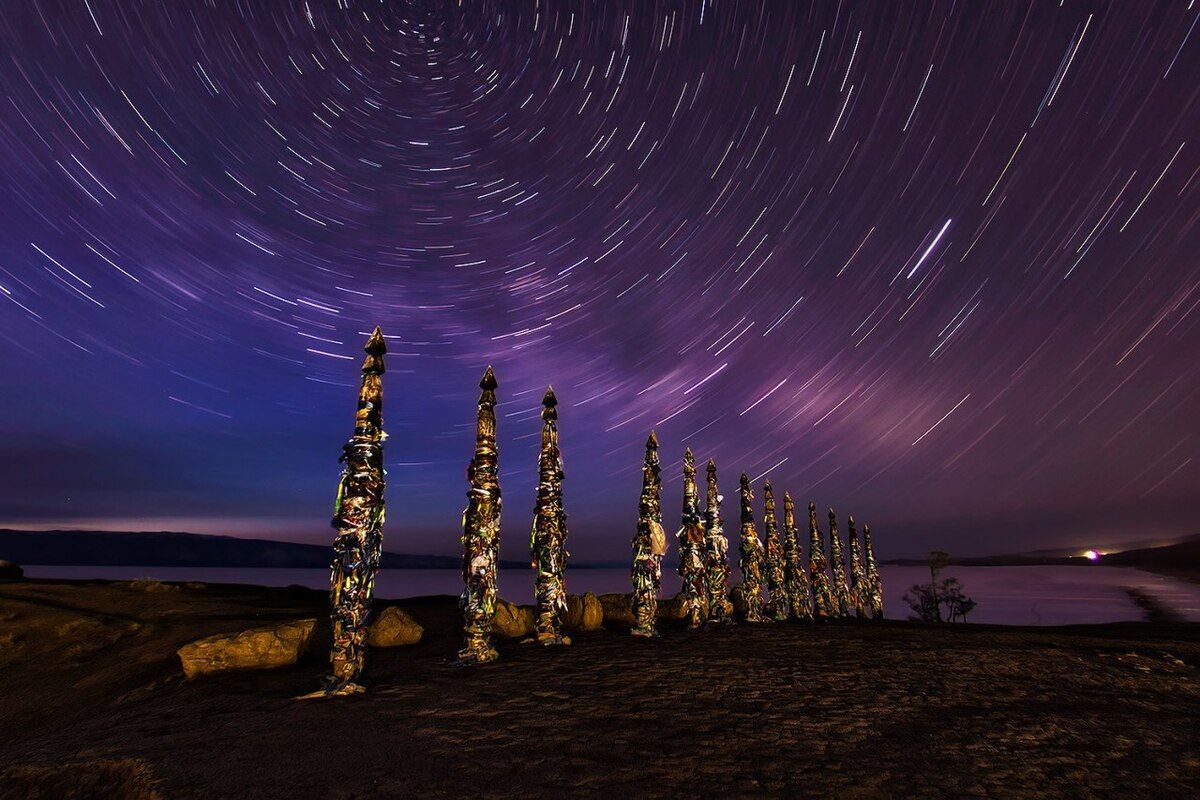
[[934, 264]]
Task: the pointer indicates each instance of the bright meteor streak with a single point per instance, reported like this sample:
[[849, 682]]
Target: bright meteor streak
[[928, 250]]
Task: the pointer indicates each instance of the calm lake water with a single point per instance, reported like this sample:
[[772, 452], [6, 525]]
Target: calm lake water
[[1006, 595]]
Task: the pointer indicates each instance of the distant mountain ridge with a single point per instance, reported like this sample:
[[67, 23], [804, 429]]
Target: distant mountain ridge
[[1183, 554], [174, 549]]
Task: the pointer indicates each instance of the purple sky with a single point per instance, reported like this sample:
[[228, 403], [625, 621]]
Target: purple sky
[[934, 264]]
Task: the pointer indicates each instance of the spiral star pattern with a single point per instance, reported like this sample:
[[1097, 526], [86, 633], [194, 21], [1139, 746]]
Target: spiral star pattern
[[930, 262]]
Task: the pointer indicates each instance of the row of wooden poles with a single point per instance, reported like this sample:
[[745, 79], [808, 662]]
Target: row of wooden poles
[[778, 584]]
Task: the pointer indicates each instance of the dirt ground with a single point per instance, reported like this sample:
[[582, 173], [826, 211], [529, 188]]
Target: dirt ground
[[93, 704]]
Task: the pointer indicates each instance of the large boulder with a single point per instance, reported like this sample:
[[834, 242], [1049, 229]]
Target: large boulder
[[616, 609], [738, 596], [671, 607], [395, 627], [574, 616], [513, 621], [584, 613], [10, 570], [258, 648]]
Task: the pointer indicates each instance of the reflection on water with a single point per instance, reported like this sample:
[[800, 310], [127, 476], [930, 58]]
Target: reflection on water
[[1006, 595]]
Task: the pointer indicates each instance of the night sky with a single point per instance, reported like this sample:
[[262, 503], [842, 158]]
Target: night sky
[[935, 264]]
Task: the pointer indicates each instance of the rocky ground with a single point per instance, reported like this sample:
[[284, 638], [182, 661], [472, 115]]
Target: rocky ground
[[95, 704]]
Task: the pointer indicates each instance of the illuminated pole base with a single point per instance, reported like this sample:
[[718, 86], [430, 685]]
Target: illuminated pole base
[[469, 657], [754, 616], [645, 615]]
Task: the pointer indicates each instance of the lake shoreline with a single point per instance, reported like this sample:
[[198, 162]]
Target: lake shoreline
[[1047, 595]]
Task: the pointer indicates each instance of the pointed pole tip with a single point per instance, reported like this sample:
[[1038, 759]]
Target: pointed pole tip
[[376, 345], [549, 400], [489, 379]]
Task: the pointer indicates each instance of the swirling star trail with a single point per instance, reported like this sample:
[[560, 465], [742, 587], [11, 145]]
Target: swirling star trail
[[933, 263]]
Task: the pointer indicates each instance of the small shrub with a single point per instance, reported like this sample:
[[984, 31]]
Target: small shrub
[[928, 599]]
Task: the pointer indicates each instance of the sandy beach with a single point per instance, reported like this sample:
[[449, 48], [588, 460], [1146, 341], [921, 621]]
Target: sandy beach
[[96, 704]]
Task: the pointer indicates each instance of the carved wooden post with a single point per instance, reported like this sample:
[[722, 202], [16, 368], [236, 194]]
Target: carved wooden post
[[548, 541], [358, 518], [649, 547], [481, 533], [716, 553]]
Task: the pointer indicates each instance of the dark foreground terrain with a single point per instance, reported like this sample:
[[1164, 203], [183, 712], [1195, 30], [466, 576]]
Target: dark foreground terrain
[[93, 704]]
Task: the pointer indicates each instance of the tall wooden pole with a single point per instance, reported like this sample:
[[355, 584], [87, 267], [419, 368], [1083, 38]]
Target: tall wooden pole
[[358, 518], [691, 549], [548, 540], [778, 606], [481, 534], [649, 547], [873, 580], [793, 556], [818, 569], [753, 560], [859, 590], [837, 562], [716, 553]]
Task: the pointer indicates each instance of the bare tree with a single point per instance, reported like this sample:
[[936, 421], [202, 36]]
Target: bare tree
[[927, 599]]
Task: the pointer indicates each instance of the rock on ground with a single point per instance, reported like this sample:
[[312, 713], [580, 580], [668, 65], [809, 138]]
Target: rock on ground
[[844, 710], [258, 648], [584, 613], [513, 621], [671, 607], [618, 611], [737, 596], [10, 570], [395, 627]]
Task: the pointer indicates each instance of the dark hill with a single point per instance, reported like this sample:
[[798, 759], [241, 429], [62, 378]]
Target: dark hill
[[171, 549], [1184, 555]]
